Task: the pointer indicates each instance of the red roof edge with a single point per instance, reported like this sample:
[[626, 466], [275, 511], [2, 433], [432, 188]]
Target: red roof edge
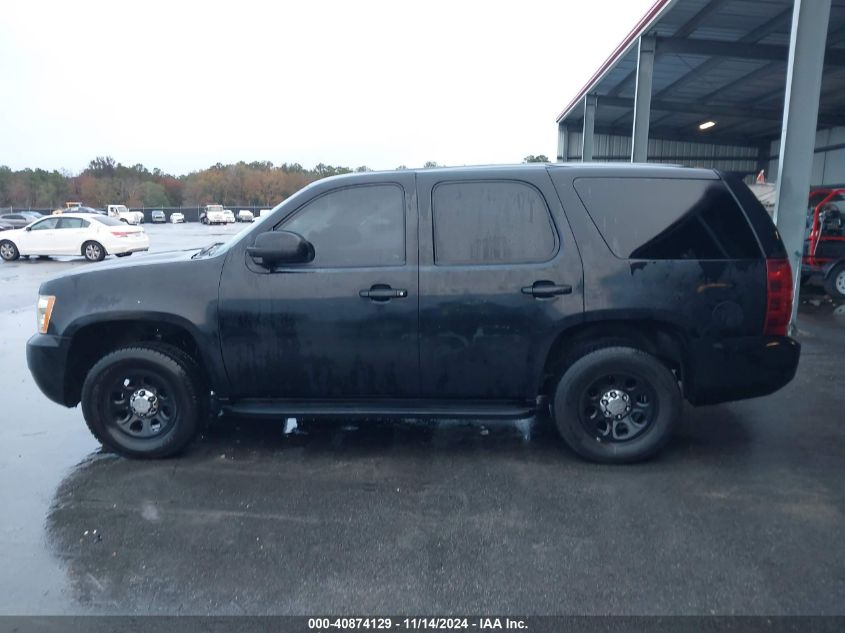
[[621, 49]]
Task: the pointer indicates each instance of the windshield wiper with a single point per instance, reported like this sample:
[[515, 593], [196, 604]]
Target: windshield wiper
[[208, 250]]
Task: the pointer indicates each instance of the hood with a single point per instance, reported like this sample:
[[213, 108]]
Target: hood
[[147, 262]]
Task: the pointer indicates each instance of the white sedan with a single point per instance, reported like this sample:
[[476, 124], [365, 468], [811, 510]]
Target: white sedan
[[86, 234]]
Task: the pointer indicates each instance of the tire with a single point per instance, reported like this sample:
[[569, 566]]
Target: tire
[[124, 220], [179, 400], [637, 391], [8, 251], [93, 251], [834, 283]]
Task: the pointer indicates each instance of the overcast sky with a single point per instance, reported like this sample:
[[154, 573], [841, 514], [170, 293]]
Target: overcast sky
[[184, 85]]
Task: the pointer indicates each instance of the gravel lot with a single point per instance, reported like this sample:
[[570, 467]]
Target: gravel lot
[[742, 514]]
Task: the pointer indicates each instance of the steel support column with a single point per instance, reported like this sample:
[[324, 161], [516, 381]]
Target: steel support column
[[562, 143], [589, 127], [798, 132], [642, 100]]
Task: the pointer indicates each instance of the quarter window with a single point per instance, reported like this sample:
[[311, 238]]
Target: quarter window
[[496, 222], [354, 227], [668, 218]]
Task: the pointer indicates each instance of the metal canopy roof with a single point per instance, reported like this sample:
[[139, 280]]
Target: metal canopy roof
[[720, 60]]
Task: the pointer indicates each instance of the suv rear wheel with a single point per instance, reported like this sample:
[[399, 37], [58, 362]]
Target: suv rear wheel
[[144, 401], [616, 405]]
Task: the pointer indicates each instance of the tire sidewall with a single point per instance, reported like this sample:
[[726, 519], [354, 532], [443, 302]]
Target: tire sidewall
[[99, 258], [830, 286], [581, 374], [95, 394], [15, 251]]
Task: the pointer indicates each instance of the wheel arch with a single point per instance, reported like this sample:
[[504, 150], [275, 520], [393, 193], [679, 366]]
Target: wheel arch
[[662, 339], [12, 242], [93, 338]]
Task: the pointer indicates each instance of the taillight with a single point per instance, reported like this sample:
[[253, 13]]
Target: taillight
[[121, 233], [778, 297]]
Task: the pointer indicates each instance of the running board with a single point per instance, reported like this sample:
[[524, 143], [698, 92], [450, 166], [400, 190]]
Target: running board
[[375, 408]]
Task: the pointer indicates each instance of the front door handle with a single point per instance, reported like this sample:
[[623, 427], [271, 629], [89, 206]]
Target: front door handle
[[544, 288], [383, 292]]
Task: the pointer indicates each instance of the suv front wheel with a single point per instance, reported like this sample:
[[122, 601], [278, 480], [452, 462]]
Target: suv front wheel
[[617, 405], [144, 401]]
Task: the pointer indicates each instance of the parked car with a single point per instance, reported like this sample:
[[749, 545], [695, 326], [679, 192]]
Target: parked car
[[605, 294], [79, 209], [213, 214], [120, 212], [157, 216], [824, 247], [230, 217], [177, 218], [92, 236], [17, 220], [245, 215]]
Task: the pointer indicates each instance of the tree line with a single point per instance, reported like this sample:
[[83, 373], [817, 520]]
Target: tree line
[[106, 181]]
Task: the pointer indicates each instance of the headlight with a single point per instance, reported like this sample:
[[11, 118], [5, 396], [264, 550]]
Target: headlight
[[44, 310]]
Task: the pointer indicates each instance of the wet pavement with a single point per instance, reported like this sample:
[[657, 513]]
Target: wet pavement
[[743, 513]]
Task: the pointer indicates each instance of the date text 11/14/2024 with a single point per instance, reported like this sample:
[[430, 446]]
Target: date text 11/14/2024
[[419, 623]]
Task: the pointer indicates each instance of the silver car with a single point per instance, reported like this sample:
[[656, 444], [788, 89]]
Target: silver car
[[19, 220]]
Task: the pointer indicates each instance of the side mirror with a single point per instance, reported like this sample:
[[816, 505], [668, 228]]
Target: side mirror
[[281, 247]]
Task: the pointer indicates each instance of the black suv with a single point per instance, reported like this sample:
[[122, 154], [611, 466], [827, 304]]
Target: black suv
[[607, 293]]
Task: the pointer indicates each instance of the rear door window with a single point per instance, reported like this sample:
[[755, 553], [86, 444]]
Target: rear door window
[[495, 222], [668, 218], [72, 223]]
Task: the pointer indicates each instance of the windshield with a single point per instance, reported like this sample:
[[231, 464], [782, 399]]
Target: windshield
[[220, 247]]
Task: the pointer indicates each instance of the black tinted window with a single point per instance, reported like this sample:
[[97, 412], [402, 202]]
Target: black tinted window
[[491, 223], [358, 226], [72, 223], [668, 218]]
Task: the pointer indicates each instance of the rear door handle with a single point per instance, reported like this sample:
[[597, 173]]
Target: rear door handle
[[382, 292], [544, 288]]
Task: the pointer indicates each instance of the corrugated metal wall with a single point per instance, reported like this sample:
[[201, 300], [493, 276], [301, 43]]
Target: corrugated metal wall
[[614, 148], [828, 161]]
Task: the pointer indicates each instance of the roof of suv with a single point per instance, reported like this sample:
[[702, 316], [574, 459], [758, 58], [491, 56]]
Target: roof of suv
[[641, 170]]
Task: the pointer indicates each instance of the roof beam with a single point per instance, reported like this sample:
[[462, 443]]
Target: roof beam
[[687, 28], [739, 50], [739, 112], [767, 28], [833, 38], [742, 81], [671, 134]]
